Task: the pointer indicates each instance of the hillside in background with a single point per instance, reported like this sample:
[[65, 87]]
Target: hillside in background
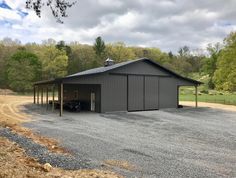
[[22, 65]]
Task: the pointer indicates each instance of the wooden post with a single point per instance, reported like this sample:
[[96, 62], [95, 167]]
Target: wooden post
[[61, 99], [47, 97], [38, 95], [177, 96], [58, 93], [196, 104], [53, 96], [34, 94], [42, 96]]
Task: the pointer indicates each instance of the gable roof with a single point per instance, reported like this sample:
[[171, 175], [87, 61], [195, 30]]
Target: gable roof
[[104, 69], [118, 65]]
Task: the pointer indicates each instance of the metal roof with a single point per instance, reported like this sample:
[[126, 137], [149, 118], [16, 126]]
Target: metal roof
[[100, 69], [118, 65]]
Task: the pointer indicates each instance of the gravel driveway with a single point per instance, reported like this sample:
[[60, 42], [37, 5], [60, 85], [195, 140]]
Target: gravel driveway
[[185, 142]]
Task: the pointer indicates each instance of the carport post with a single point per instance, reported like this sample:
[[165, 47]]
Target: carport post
[[61, 99], [42, 96], [34, 94], [53, 95], [37, 94], [196, 104], [47, 97]]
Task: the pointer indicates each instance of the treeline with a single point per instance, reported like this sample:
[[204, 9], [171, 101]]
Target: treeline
[[22, 65]]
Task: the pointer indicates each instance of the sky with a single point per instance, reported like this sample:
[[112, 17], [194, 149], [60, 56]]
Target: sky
[[165, 24]]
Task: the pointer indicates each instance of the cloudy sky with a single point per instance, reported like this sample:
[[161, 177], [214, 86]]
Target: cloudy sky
[[166, 24]]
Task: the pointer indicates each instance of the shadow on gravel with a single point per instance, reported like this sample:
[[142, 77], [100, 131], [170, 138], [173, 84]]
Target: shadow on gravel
[[35, 109], [129, 117], [43, 155]]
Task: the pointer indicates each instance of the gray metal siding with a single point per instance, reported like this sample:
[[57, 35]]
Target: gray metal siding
[[151, 92], [135, 93], [113, 90], [168, 93], [140, 68], [114, 93]]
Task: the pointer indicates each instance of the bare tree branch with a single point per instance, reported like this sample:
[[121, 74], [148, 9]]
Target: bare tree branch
[[58, 7]]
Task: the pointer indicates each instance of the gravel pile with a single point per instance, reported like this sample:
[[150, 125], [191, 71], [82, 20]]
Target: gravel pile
[[43, 155]]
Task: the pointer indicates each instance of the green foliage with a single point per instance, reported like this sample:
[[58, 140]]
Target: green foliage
[[7, 48], [225, 74], [23, 69], [54, 62], [209, 63], [83, 57], [99, 47], [61, 45], [119, 52]]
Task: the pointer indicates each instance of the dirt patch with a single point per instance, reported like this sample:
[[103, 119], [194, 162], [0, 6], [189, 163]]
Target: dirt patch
[[6, 92], [12, 115], [15, 163], [211, 105], [11, 107]]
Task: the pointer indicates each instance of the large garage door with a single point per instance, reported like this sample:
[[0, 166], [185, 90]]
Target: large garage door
[[135, 93], [151, 92]]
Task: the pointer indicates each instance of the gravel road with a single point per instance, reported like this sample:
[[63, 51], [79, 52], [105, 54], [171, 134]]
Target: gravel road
[[185, 142]]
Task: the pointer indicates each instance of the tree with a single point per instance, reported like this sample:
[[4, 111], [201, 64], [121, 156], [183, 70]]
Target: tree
[[58, 7], [119, 52], [209, 63], [181, 63], [61, 45], [6, 51], [54, 62], [225, 74], [10, 42], [184, 51], [99, 47], [83, 57], [170, 54], [49, 42], [23, 69]]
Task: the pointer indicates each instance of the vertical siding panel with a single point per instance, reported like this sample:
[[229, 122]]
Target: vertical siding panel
[[151, 92], [114, 93], [168, 93], [135, 93]]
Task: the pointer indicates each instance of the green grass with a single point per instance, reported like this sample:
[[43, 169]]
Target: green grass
[[211, 98]]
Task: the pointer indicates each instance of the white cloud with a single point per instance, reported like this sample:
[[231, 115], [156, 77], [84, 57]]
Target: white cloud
[[6, 14], [15, 4], [167, 24]]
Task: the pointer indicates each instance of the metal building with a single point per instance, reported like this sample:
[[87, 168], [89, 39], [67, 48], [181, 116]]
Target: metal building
[[136, 85]]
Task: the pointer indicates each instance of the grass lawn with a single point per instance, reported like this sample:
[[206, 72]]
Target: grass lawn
[[223, 99]]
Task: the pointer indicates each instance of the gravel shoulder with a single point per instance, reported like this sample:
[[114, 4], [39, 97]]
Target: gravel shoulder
[[43, 155]]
